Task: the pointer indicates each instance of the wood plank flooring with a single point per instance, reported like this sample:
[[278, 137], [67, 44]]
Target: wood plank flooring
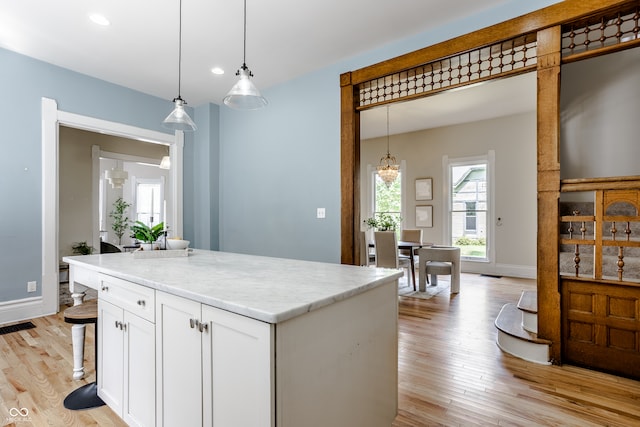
[[451, 372], [35, 373]]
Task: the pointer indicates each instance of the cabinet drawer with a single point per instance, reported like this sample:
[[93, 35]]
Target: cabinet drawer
[[134, 298]]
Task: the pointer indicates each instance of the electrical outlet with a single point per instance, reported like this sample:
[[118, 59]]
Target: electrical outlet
[[321, 213], [32, 286]]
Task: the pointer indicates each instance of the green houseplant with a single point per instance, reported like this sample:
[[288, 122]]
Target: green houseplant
[[144, 233], [383, 222], [82, 248], [120, 219]]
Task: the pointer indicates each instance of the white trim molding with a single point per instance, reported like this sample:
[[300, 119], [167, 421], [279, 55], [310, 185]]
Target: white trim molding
[[498, 269], [19, 310]]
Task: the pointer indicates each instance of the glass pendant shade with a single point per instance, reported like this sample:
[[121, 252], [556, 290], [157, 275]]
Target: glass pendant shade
[[165, 163], [244, 95], [179, 119]]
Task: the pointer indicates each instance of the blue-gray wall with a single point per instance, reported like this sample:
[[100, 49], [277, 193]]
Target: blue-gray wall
[[201, 193], [267, 170]]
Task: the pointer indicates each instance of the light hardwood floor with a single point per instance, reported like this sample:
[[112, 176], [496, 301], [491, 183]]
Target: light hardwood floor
[[35, 373], [450, 371]]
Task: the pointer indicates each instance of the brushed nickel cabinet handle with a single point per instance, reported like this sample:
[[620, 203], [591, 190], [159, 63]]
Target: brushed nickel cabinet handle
[[141, 303], [192, 323], [203, 327], [104, 288]]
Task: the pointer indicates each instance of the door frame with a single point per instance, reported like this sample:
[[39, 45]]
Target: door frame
[[52, 118], [546, 23]]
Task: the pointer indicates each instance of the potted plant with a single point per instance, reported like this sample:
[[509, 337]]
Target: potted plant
[[383, 222], [82, 248], [120, 220], [146, 234]]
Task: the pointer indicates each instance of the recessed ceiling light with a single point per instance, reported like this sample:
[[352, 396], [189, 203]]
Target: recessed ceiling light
[[217, 70], [96, 18]]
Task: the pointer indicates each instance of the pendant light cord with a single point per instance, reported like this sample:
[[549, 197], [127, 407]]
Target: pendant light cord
[[244, 53], [244, 45], [388, 153], [180, 50]]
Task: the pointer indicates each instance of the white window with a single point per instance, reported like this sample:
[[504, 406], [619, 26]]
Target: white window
[[149, 196], [387, 199], [469, 203]]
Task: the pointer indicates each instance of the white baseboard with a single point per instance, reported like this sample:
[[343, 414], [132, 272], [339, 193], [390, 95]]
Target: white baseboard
[[509, 270], [23, 309]]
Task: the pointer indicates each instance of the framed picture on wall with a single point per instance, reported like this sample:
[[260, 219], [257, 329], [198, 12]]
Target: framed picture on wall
[[424, 216], [424, 189]]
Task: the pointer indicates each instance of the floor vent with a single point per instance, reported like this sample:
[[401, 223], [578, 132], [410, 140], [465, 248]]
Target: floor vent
[[17, 327]]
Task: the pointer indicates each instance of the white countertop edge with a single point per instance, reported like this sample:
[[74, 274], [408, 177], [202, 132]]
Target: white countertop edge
[[268, 317]]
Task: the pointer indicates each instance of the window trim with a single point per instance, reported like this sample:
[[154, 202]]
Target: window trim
[[447, 163], [135, 181]]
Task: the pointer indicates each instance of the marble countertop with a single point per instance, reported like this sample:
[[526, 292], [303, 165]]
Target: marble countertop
[[268, 289]]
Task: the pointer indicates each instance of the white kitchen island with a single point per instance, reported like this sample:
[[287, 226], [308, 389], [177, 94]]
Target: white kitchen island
[[226, 339]]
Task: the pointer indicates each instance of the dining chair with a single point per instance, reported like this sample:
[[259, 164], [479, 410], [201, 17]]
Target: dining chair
[[366, 258], [436, 260], [108, 248], [410, 235], [386, 244]]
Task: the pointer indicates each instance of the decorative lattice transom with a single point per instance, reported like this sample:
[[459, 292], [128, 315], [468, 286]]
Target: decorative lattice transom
[[600, 32], [508, 57]]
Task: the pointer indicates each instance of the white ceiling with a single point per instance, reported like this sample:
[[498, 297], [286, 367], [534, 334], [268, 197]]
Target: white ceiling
[[285, 39]]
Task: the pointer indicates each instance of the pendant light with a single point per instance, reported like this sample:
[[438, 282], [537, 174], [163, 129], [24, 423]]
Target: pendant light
[[179, 119], [116, 176], [388, 167], [244, 95], [165, 162]]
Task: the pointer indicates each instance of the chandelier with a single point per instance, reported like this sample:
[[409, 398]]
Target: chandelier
[[388, 167], [116, 177]]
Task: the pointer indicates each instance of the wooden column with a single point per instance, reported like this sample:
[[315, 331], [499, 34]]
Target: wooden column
[[349, 172], [549, 320]]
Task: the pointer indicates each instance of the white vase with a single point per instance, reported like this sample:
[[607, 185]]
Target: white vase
[[147, 246]]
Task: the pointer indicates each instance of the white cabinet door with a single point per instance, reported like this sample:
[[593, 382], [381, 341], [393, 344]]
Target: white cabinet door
[[139, 407], [126, 360], [110, 355], [237, 370], [179, 361]]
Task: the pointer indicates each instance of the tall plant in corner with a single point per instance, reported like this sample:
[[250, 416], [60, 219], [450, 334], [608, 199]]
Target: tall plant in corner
[[120, 218]]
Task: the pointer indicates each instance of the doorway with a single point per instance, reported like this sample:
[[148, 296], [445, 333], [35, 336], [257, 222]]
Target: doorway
[[52, 118], [493, 124]]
